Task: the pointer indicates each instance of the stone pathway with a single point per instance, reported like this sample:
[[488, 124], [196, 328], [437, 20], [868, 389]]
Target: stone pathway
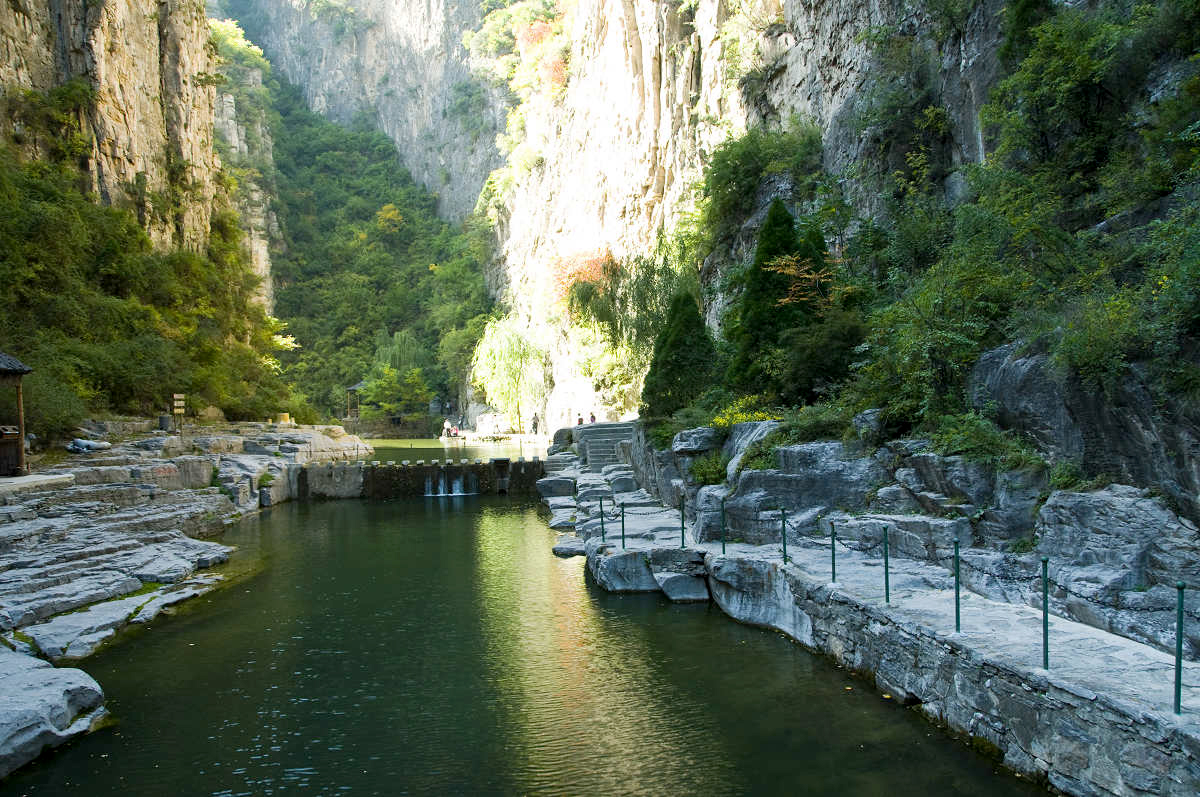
[[1112, 675]]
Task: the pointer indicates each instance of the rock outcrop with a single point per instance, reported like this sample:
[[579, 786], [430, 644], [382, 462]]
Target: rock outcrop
[[41, 706], [1129, 435], [1115, 553], [1096, 722], [149, 115]]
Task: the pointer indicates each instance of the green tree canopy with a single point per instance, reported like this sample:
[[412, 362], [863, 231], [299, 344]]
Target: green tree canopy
[[682, 363]]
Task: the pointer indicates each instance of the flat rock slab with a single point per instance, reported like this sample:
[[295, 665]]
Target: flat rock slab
[[569, 545], [36, 481], [555, 486], [78, 634], [682, 588], [41, 706]]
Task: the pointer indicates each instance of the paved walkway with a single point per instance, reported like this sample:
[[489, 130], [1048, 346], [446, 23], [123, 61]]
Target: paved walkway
[[1083, 660]]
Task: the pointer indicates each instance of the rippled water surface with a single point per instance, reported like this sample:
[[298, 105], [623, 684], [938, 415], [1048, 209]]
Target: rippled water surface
[[436, 647]]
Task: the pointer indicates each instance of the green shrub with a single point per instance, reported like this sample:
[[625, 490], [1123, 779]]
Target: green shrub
[[682, 361], [744, 410], [978, 439], [738, 165], [709, 468], [1066, 476]]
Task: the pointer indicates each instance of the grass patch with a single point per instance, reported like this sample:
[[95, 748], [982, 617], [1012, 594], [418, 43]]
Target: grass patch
[[266, 479], [976, 438], [710, 468], [1024, 545]]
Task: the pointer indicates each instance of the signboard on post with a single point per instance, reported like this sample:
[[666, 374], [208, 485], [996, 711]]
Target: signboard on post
[[177, 411]]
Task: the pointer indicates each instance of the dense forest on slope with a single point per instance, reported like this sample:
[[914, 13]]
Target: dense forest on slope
[[107, 322], [1079, 237], [371, 284]]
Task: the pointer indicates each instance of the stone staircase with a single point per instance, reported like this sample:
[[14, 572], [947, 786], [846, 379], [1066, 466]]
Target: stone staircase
[[598, 443]]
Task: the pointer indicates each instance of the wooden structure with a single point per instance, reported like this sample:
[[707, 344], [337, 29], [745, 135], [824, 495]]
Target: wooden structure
[[352, 400], [12, 438]]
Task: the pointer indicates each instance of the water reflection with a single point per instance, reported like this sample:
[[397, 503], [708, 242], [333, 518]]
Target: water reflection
[[435, 647]]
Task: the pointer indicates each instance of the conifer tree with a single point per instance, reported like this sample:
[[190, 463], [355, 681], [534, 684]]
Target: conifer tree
[[757, 319], [682, 362]]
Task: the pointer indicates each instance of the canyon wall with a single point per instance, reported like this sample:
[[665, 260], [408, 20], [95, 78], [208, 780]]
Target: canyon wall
[[149, 115], [610, 161], [403, 66]]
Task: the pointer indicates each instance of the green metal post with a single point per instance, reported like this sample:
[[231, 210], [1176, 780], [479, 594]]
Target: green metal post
[[1045, 615], [722, 526], [682, 519], [832, 552], [887, 581], [602, 538], [783, 532], [1179, 648], [622, 525], [957, 614]]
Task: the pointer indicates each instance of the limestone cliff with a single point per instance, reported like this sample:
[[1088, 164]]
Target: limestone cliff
[[243, 137], [400, 63], [605, 162], [150, 111]]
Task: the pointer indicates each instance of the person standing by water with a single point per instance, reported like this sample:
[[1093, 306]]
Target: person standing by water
[[592, 418], [533, 424], [580, 421]]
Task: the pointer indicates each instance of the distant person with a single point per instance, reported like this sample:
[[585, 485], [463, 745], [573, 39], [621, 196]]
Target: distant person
[[592, 418], [580, 421], [446, 428], [533, 424]]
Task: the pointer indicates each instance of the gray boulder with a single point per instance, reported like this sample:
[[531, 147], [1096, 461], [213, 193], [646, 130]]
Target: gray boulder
[[41, 706], [1130, 433], [1128, 537], [619, 570], [693, 442], [555, 486], [682, 588], [741, 437]]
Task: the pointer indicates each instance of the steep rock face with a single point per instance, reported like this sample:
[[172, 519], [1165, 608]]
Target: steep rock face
[[249, 146], [403, 64], [1130, 434], [150, 123], [653, 88]]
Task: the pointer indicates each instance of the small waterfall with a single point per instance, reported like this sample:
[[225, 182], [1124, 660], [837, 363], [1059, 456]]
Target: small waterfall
[[472, 482], [457, 486], [441, 483], [428, 485]]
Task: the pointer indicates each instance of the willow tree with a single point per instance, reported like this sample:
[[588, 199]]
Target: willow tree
[[509, 368]]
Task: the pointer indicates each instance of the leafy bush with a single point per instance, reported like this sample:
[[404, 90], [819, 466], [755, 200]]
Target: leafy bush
[[682, 360], [738, 166], [743, 410], [976, 438], [709, 468]]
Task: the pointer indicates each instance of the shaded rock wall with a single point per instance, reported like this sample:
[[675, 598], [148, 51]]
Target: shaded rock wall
[[1131, 435], [151, 121], [400, 63]]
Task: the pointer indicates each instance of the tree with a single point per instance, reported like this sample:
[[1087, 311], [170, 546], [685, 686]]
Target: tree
[[682, 363], [509, 368], [758, 318]]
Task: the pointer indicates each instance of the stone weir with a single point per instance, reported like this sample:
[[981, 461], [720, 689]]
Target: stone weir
[[1098, 720], [387, 480]]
